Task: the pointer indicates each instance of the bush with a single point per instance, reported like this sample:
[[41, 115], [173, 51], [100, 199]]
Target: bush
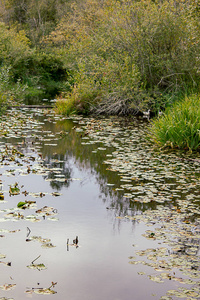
[[138, 55], [43, 73], [179, 127], [14, 46], [114, 57], [28, 74]]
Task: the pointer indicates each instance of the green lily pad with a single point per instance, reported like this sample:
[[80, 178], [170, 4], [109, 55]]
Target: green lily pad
[[14, 190], [21, 204]]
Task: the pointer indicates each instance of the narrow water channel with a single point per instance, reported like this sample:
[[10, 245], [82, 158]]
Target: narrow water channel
[[98, 180]]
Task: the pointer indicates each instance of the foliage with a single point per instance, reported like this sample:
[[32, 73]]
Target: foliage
[[37, 18], [135, 53], [179, 126], [44, 73], [114, 57], [27, 73], [14, 46]]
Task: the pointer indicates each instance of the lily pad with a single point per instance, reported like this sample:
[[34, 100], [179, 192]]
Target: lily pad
[[45, 291], [7, 286], [21, 204], [14, 190], [38, 267]]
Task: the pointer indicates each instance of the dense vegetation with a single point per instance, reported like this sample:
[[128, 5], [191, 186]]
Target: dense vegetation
[[108, 56]]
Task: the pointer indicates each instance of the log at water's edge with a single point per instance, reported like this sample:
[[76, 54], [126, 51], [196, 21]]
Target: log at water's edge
[[30, 106]]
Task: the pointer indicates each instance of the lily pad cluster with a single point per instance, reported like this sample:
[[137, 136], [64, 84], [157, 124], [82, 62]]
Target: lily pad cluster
[[19, 131], [43, 291], [181, 236], [160, 189], [167, 180]]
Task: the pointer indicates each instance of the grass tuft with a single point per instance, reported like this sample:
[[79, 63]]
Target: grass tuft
[[179, 126], [65, 106]]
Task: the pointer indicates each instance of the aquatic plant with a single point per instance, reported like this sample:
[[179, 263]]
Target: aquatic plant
[[179, 127]]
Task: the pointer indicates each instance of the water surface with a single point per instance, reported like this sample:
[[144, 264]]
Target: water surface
[[107, 179]]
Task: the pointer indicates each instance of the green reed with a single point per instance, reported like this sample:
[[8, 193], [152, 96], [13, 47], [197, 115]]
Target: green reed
[[179, 126]]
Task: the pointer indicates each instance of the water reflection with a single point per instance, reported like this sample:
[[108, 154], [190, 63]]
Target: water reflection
[[58, 168], [70, 144], [114, 151], [110, 180]]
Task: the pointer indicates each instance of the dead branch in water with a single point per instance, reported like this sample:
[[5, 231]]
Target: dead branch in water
[[113, 106]]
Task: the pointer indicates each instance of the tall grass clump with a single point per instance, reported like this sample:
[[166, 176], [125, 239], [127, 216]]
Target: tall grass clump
[[179, 127], [78, 101], [65, 106], [3, 103]]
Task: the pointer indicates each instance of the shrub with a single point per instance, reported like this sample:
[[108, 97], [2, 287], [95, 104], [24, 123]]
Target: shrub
[[43, 73], [179, 127], [14, 46], [125, 56], [135, 51], [10, 91], [25, 73]]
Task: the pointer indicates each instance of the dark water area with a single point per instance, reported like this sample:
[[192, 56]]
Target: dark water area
[[40, 101], [101, 181]]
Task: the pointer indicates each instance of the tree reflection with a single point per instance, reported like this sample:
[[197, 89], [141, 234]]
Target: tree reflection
[[69, 144], [59, 162]]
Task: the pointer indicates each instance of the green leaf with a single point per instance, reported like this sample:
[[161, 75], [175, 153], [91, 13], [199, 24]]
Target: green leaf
[[21, 204]]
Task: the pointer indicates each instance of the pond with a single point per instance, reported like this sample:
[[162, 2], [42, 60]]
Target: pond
[[89, 210]]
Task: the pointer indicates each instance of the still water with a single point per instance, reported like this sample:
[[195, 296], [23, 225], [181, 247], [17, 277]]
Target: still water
[[94, 179]]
